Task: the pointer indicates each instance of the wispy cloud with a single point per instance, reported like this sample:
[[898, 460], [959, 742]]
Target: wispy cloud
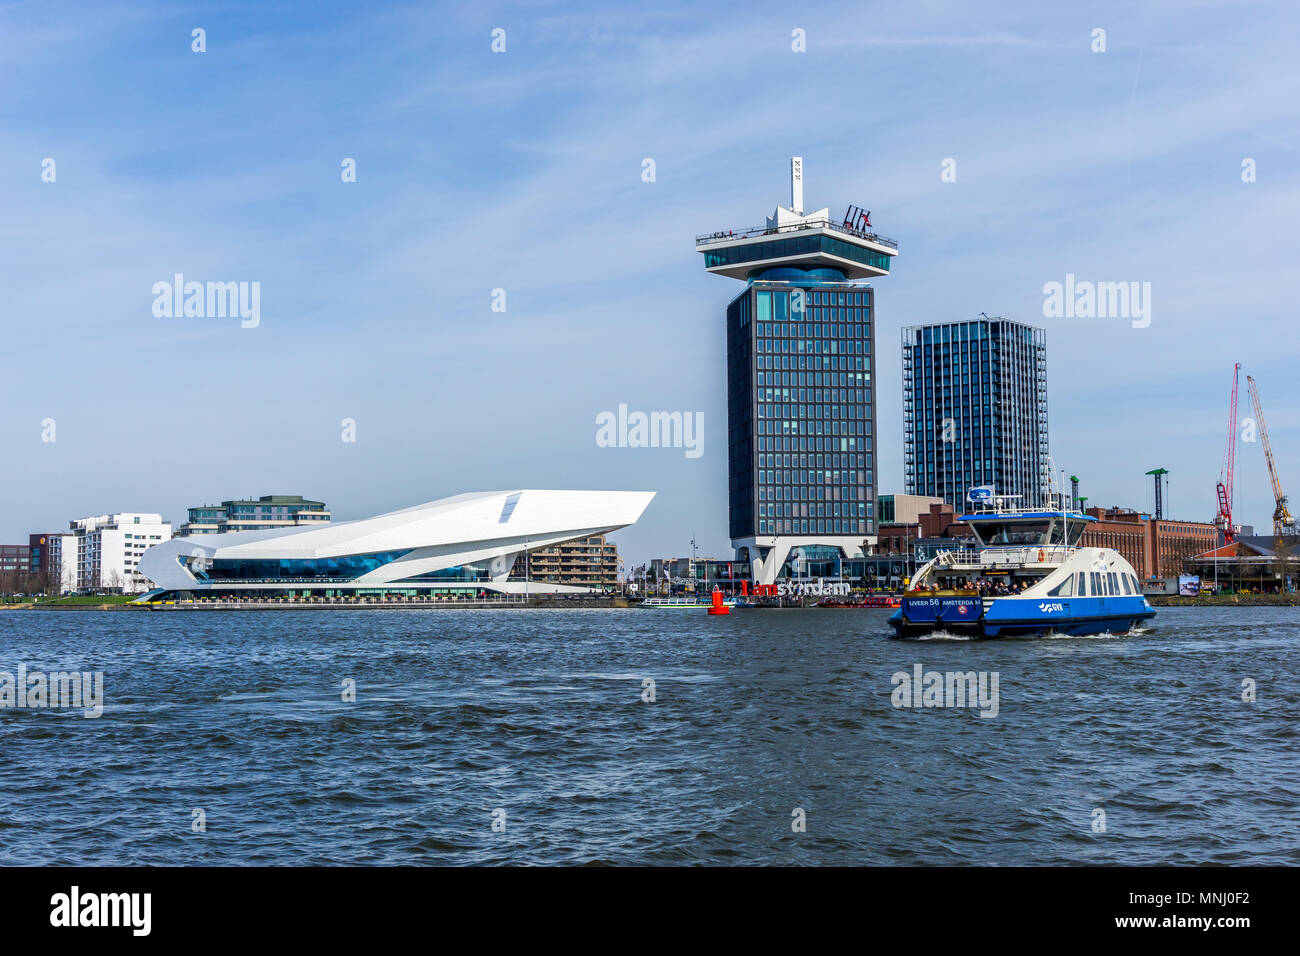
[[523, 171]]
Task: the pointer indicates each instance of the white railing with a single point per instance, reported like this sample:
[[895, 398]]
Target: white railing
[[1017, 556]]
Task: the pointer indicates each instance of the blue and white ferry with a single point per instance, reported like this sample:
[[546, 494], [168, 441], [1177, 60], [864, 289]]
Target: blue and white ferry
[[1028, 575]]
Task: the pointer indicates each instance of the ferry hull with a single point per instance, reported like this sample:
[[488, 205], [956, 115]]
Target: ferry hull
[[1013, 617]]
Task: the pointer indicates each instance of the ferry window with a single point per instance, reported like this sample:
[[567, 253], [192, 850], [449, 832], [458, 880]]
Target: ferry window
[[1095, 587], [1113, 581], [995, 533], [1123, 579], [1064, 589], [1083, 585]]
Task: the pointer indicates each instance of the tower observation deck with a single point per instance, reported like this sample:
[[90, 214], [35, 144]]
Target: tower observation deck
[[800, 394], [791, 239]]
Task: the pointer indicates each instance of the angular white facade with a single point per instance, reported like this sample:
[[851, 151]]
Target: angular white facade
[[468, 541]]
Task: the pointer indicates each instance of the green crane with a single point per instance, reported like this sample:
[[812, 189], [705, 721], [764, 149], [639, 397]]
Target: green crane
[[1160, 506]]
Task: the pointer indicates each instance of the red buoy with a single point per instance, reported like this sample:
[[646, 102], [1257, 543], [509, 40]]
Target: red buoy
[[718, 606]]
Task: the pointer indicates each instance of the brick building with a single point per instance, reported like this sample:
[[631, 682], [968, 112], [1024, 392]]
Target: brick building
[[938, 520], [1121, 529], [1156, 549], [15, 559]]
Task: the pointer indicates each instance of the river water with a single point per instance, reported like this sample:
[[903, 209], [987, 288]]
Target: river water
[[528, 737]]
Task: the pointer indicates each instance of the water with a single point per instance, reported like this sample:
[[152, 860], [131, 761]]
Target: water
[[539, 713]]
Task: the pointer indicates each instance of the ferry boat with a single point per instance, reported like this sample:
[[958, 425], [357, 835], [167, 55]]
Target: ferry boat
[[691, 602], [1028, 575]]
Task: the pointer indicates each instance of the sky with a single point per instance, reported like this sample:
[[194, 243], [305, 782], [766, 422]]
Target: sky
[[523, 171]]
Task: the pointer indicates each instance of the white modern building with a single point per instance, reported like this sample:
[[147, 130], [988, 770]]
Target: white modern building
[[464, 545], [260, 514], [108, 549], [62, 562]]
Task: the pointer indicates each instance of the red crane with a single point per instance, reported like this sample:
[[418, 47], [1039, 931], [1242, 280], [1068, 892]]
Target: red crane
[[1229, 465]]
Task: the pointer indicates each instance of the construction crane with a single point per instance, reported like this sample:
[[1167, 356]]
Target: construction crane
[[1224, 487], [1283, 523], [1074, 491], [1160, 507]]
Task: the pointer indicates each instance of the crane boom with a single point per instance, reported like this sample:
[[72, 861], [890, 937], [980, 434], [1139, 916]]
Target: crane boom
[[1224, 487], [1282, 520]]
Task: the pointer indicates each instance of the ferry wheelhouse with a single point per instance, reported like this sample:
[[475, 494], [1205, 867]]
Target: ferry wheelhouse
[[1028, 575]]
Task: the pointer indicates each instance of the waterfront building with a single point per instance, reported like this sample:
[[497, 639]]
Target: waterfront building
[[939, 521], [49, 573], [108, 549], [1251, 562], [1157, 548], [268, 511], [39, 563], [1170, 543], [800, 389], [15, 559], [670, 575], [460, 546], [590, 562], [60, 563], [1120, 529], [975, 410], [903, 509]]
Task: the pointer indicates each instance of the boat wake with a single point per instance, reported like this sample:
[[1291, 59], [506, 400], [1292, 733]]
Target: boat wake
[[939, 636]]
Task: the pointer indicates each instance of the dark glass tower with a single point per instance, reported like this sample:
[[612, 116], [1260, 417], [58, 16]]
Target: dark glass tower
[[975, 410], [800, 391]]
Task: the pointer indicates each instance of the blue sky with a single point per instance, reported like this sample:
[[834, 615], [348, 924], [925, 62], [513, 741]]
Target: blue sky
[[522, 171]]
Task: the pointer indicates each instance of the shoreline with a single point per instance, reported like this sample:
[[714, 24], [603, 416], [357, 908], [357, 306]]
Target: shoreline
[[1224, 600], [1156, 600], [333, 606]]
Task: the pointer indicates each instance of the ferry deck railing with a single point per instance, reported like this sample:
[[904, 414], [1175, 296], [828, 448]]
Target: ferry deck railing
[[1015, 556]]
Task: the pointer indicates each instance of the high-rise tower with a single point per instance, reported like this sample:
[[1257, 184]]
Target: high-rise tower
[[975, 410], [800, 392]]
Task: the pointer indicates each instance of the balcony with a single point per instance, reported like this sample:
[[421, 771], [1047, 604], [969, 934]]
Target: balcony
[[732, 236]]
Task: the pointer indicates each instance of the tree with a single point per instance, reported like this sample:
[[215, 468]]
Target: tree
[[1283, 563]]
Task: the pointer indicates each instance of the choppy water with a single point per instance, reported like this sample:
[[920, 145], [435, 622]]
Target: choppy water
[[540, 713]]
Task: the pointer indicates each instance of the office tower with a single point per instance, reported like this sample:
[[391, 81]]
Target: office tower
[[800, 391], [975, 410]]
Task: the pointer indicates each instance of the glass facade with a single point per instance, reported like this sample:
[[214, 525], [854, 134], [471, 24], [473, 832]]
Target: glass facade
[[461, 572], [975, 410], [342, 568], [800, 400], [798, 246]]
